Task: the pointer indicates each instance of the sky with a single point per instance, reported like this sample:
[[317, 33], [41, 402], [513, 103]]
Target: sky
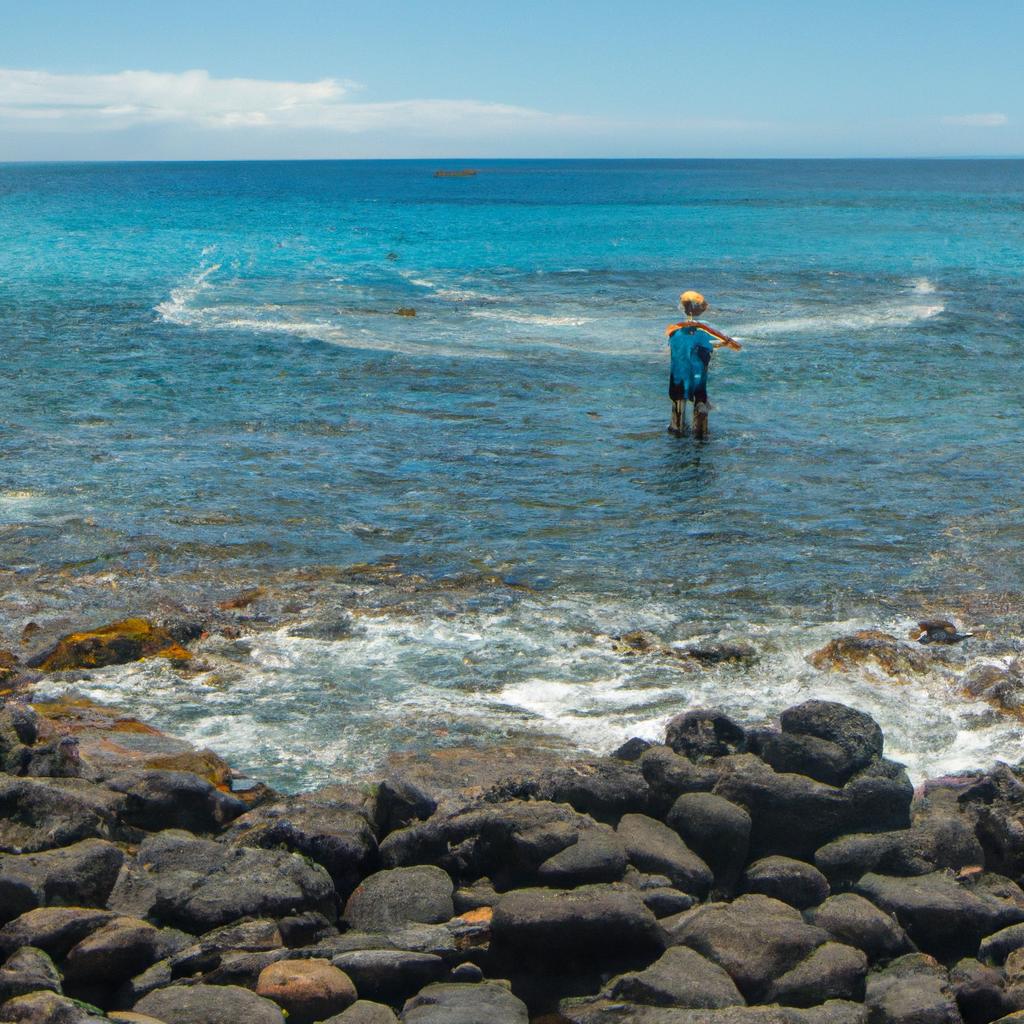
[[220, 79]]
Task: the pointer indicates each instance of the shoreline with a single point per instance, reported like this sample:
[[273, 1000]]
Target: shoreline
[[786, 873]]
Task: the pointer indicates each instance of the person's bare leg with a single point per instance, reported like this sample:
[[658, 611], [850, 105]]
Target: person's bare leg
[[677, 424], [700, 420]]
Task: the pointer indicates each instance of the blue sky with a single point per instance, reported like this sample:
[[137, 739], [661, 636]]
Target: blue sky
[[313, 78]]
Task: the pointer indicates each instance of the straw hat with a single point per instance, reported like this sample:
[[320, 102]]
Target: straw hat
[[693, 302]]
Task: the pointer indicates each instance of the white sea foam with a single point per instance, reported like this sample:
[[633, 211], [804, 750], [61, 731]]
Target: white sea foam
[[826, 322], [178, 308], [538, 319]]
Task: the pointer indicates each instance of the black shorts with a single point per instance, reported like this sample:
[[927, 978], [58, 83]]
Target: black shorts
[[677, 394]]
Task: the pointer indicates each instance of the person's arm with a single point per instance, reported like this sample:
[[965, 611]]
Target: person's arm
[[721, 340]]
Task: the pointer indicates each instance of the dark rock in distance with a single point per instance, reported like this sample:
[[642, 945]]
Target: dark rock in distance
[[705, 733]]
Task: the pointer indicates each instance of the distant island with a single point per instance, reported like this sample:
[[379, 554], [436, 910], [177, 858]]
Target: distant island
[[465, 173]]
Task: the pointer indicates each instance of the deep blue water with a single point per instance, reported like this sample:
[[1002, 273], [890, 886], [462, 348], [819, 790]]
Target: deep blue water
[[202, 372]]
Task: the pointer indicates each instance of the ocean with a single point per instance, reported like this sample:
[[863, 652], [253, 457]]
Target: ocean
[[206, 387]]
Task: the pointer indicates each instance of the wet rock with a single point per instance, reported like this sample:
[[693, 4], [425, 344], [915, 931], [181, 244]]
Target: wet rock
[[980, 992], [911, 990], [157, 800], [854, 920], [505, 841], [705, 733], [484, 1003], [41, 815], [717, 830], [632, 750], [552, 928], [856, 733], [115, 644], [390, 975], [996, 802], [832, 971], [755, 939], [603, 1011], [364, 1011], [995, 948], [82, 874], [197, 885], [722, 652], [792, 881], [307, 990], [1002, 686], [52, 929], [884, 651], [330, 826], [399, 896], [793, 815], [668, 775], [597, 856], [48, 1008], [656, 848], [816, 758], [114, 953], [209, 1004], [938, 631], [941, 916], [928, 846], [401, 802], [679, 977], [471, 897], [28, 970]]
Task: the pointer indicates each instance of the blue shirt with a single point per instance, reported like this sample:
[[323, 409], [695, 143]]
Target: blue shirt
[[688, 344]]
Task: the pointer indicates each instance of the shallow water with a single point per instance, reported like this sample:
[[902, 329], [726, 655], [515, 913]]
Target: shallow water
[[204, 380]]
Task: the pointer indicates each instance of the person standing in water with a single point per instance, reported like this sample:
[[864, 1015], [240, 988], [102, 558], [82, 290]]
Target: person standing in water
[[691, 344]]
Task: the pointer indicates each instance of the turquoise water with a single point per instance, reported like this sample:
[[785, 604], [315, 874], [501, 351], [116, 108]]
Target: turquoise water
[[204, 380]]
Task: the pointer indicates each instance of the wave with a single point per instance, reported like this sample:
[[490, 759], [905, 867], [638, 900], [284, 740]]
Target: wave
[[176, 309], [537, 319], [897, 315]]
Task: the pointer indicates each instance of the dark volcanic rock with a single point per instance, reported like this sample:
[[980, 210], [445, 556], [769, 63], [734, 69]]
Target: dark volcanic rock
[[41, 815], [996, 801], [980, 992], [484, 1003], [209, 1004], [804, 755], [48, 1008], [112, 954], [197, 884], [794, 815], [888, 653], [505, 841], [793, 881], [401, 802], [82, 874], [939, 914], [596, 923], [854, 920], [633, 749], [928, 846], [598, 856], [157, 800], [656, 848], [858, 735], [716, 829], [605, 1011], [400, 896], [330, 826], [52, 929], [911, 990], [996, 947], [705, 733], [680, 977], [28, 970], [832, 971], [755, 939], [364, 1011], [668, 775], [390, 975]]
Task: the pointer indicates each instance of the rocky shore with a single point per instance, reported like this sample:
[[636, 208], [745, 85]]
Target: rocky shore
[[782, 874]]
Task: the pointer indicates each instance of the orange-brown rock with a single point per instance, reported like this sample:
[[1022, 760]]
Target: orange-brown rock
[[115, 644], [307, 990], [242, 599], [888, 653]]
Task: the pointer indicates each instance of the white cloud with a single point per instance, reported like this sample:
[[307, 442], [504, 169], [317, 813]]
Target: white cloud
[[126, 99], [976, 120]]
